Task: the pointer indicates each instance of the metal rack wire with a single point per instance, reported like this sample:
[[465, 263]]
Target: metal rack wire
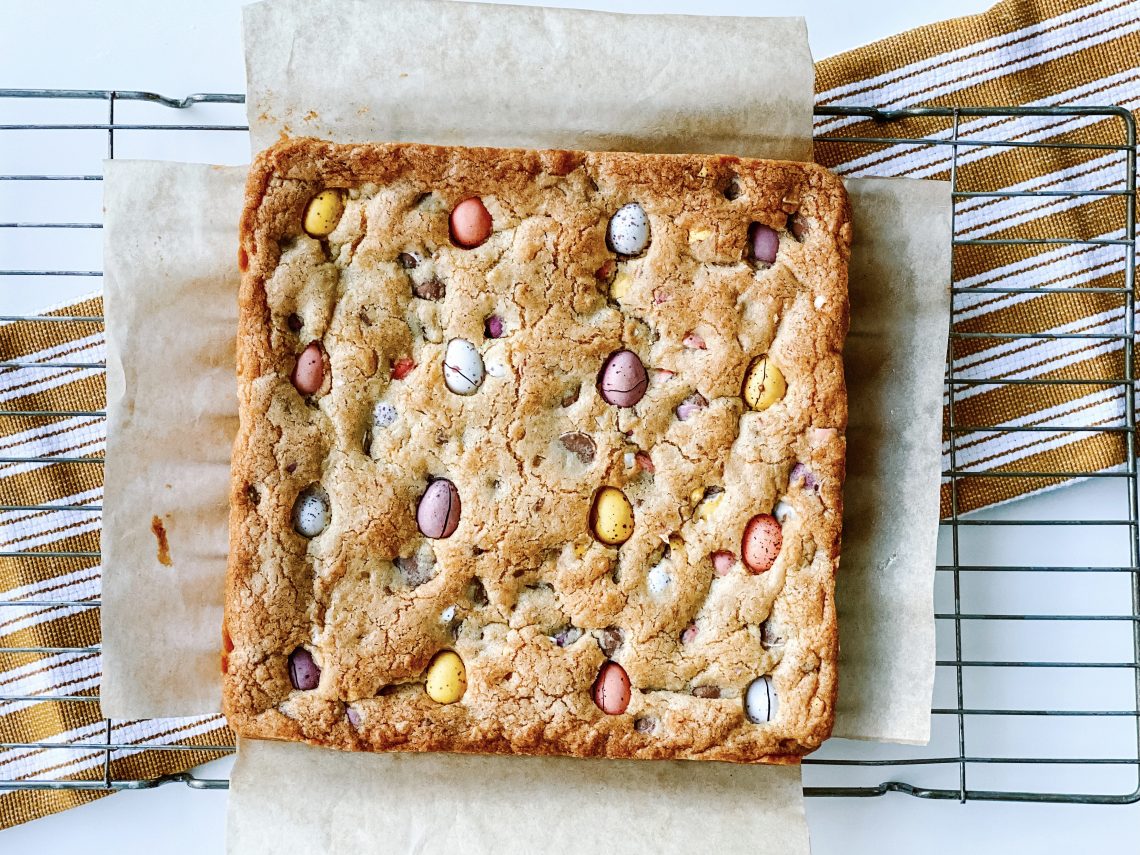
[[1101, 765]]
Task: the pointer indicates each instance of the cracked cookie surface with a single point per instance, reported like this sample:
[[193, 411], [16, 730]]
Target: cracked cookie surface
[[346, 586]]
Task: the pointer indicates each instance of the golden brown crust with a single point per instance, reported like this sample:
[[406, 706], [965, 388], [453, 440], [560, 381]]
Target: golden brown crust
[[523, 532]]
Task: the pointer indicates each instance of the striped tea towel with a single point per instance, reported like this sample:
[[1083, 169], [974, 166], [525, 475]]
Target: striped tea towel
[[1021, 52], [49, 618], [1029, 53]]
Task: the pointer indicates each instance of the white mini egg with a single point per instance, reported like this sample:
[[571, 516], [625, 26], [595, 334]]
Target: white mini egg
[[383, 415], [659, 580], [628, 232], [760, 701], [783, 512], [311, 512], [630, 459], [462, 367], [447, 615]]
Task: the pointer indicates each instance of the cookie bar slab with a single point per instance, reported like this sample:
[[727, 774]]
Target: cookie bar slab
[[540, 452]]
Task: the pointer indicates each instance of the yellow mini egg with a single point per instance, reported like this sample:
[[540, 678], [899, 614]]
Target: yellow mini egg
[[705, 509], [620, 286], [611, 518], [446, 678], [323, 213], [764, 384]]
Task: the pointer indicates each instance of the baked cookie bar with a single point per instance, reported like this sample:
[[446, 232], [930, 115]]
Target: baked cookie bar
[[540, 452]]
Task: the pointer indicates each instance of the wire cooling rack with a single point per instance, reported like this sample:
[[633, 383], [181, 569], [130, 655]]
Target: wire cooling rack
[[1014, 718]]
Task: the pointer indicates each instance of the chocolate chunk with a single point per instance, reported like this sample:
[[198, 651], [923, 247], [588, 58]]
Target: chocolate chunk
[[645, 724], [610, 640], [429, 289], [478, 592], [571, 397], [798, 226], [407, 260], [415, 571], [580, 444], [708, 692], [295, 323]]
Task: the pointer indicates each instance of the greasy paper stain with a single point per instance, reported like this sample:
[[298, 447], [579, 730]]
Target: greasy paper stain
[[163, 545]]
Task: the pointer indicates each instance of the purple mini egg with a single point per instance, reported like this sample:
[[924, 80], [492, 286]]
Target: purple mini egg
[[764, 242], [623, 380], [304, 673], [438, 511]]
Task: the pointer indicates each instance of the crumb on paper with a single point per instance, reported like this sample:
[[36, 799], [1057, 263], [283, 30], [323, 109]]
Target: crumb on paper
[[163, 544], [311, 116]]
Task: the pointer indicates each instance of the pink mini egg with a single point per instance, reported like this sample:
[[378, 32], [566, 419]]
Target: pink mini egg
[[761, 543], [611, 689], [309, 372], [470, 223]]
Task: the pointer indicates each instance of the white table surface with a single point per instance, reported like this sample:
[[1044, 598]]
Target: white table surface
[[180, 48]]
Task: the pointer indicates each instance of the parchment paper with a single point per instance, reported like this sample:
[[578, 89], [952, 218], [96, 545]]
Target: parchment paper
[[159, 211], [170, 296], [481, 74], [295, 799], [171, 287], [894, 359]]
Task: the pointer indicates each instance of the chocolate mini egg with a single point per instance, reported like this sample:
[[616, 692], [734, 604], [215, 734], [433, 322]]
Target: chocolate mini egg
[[783, 512], [764, 243], [311, 512], [309, 372], [658, 580], [493, 327], [446, 679], [383, 415], [323, 213], [470, 223], [723, 562], [761, 543], [304, 673], [691, 406], [764, 384], [760, 701], [611, 517], [628, 232], [462, 367], [611, 689], [623, 380], [438, 512]]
